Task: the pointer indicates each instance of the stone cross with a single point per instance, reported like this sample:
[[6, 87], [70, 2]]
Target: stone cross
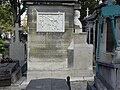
[[87, 12], [17, 29]]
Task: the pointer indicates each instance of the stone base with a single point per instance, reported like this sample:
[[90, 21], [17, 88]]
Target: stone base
[[61, 74], [83, 56]]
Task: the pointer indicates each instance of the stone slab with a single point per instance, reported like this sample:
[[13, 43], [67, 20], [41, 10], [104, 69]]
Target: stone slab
[[83, 56], [17, 51], [61, 74], [11, 67], [48, 84]]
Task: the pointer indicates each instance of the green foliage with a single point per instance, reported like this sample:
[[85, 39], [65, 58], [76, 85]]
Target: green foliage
[[2, 49], [6, 17], [87, 4]]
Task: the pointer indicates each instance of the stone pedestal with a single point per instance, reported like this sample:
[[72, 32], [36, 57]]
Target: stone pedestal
[[83, 55], [80, 56]]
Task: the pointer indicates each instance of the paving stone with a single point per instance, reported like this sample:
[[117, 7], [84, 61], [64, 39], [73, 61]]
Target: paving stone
[[48, 84]]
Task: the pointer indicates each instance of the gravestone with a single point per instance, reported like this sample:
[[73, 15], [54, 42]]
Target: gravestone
[[50, 33], [17, 48]]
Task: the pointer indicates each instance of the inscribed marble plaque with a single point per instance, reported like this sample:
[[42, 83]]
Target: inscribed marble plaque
[[50, 21]]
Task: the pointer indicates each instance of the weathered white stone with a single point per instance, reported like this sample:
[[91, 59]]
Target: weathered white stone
[[50, 22], [80, 38], [83, 56], [80, 56]]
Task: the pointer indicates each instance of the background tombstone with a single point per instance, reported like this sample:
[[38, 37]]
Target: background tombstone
[[17, 48]]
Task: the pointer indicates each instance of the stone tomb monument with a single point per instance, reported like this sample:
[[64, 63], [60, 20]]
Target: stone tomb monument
[[50, 32], [51, 27]]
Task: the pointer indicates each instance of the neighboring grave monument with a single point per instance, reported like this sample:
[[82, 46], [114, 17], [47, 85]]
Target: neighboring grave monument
[[80, 52], [17, 48]]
